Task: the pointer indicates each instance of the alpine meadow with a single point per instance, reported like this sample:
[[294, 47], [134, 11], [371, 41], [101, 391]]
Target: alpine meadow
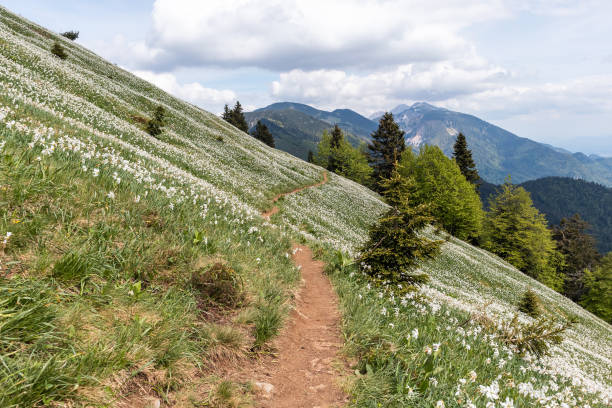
[[155, 254]]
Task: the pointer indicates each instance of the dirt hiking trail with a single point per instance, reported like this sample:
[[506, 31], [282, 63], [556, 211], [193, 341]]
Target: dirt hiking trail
[[307, 367], [274, 210]]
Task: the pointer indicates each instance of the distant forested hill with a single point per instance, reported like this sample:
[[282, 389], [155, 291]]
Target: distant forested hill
[[559, 197]]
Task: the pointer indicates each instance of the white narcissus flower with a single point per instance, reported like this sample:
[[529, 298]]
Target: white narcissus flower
[[440, 404]]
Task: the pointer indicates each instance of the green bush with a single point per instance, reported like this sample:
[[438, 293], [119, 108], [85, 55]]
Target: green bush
[[530, 304], [71, 35], [59, 51]]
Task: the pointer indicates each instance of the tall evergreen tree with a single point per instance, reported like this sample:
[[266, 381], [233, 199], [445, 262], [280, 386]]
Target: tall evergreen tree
[[227, 114], [385, 149], [395, 247], [344, 160], [580, 252], [334, 144], [311, 158], [238, 119], [598, 283], [262, 133], [463, 157], [516, 231]]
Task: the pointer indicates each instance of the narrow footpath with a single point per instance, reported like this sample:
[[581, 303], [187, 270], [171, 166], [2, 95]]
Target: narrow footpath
[[307, 367]]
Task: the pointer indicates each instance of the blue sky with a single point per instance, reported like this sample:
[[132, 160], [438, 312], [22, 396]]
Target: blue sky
[[539, 68]]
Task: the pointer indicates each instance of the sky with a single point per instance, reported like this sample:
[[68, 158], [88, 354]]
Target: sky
[[539, 68]]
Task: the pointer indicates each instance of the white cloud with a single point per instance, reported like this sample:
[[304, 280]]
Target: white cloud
[[313, 34], [207, 98]]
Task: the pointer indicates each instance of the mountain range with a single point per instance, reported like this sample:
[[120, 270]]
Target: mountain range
[[498, 153]]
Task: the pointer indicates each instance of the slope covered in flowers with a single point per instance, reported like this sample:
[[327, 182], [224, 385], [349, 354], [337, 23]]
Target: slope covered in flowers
[[73, 149]]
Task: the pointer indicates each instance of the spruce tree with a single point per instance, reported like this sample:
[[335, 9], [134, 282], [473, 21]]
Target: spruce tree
[[59, 51], [227, 114], [463, 157], [238, 119], [385, 149], [598, 283], [336, 141], [262, 133], [580, 253], [516, 231], [530, 304], [311, 158], [155, 124], [395, 248]]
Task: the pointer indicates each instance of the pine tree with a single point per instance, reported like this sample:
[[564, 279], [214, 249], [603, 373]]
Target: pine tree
[[598, 283], [227, 114], [59, 51], [238, 119], [311, 158], [516, 231], [336, 141], [262, 133], [580, 253], [395, 248], [71, 35], [463, 157], [385, 149], [155, 124], [530, 303]]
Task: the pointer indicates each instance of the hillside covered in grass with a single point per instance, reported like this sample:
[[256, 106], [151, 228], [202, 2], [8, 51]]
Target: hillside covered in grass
[[135, 268]]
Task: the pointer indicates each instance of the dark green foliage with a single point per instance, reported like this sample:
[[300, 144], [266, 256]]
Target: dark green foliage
[[219, 284], [530, 303], [337, 138], [385, 150], [235, 116], [516, 231], [155, 124], [310, 157], [580, 253], [59, 51], [262, 133], [598, 285], [453, 201], [562, 197], [71, 35], [463, 157], [395, 248], [343, 159]]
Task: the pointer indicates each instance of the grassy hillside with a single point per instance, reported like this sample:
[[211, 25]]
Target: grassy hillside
[[110, 276]]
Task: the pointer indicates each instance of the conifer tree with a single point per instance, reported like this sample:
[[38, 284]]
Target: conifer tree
[[262, 133], [59, 51], [238, 119], [580, 253], [155, 124], [227, 114], [395, 248], [385, 149], [347, 161], [598, 283], [516, 231], [311, 158], [530, 303], [463, 157], [334, 144], [71, 35]]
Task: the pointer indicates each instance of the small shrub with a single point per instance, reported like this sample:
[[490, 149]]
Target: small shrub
[[219, 284], [267, 323], [530, 304], [71, 35], [219, 138], [155, 124], [534, 338], [59, 51]]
